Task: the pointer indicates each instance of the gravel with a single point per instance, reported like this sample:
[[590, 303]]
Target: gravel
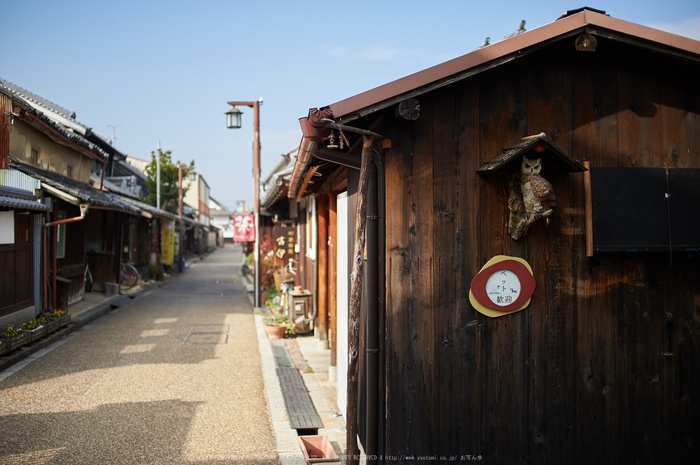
[[133, 388]]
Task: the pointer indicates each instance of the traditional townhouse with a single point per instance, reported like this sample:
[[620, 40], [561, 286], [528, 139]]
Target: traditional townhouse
[[485, 322], [57, 215]]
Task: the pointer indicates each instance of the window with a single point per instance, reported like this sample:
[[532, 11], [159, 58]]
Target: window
[[61, 239], [311, 228], [69, 171], [7, 227], [34, 157]]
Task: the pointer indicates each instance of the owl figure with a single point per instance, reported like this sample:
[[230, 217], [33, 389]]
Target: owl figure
[[538, 195]]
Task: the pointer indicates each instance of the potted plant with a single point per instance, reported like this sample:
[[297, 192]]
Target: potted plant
[[277, 322], [13, 339], [50, 321], [63, 317], [277, 326], [33, 329]]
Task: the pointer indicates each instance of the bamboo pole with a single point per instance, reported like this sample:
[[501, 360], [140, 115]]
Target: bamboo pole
[[353, 451]]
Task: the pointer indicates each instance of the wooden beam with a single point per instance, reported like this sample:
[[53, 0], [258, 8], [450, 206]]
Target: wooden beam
[[356, 278], [322, 296]]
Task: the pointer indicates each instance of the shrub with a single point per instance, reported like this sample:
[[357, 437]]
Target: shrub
[[155, 272]]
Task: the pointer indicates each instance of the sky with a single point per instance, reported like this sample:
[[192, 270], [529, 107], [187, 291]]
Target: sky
[[150, 72]]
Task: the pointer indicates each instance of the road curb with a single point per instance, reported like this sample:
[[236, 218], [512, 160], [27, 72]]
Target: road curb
[[286, 440]]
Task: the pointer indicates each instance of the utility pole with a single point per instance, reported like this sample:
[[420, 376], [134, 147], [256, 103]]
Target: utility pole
[[158, 177]]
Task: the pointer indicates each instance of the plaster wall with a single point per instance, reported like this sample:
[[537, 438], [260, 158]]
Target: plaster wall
[[51, 156]]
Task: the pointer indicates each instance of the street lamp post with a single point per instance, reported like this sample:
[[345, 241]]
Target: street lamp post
[[233, 121], [180, 170]]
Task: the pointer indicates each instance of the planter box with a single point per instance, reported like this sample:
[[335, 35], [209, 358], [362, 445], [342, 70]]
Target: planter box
[[63, 320], [16, 342], [34, 334], [3, 347], [52, 326], [317, 449]]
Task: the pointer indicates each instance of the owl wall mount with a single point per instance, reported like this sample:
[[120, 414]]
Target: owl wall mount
[[530, 196]]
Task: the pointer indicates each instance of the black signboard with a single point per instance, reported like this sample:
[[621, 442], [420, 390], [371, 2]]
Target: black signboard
[[645, 209]]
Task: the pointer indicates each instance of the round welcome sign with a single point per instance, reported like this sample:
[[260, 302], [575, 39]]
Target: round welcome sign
[[504, 285]]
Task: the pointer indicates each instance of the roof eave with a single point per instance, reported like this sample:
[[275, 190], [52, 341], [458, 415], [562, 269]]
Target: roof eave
[[501, 52]]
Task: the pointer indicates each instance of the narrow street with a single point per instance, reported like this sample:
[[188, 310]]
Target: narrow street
[[172, 377]]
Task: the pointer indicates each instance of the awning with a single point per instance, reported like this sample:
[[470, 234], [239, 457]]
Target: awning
[[72, 191], [18, 199]]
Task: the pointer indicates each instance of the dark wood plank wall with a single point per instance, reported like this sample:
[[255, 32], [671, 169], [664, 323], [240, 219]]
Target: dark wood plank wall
[[597, 402], [584, 375], [17, 279]]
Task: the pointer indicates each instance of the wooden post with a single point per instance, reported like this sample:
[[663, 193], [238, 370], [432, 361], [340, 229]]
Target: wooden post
[[322, 302], [353, 451], [332, 275]]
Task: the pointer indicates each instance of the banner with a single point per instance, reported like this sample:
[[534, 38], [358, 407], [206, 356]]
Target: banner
[[168, 238], [244, 228]]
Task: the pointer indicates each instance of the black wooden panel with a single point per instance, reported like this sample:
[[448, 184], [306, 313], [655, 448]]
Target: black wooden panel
[[631, 209], [17, 278]]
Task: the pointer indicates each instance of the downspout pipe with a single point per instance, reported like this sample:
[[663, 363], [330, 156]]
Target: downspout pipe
[[83, 212], [381, 301], [355, 303], [45, 244]]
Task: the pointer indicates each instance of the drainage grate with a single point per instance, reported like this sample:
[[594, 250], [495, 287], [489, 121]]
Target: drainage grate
[[300, 409], [207, 335]]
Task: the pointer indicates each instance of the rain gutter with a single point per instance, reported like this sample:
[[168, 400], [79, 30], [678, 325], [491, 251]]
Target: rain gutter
[[304, 157], [311, 147]]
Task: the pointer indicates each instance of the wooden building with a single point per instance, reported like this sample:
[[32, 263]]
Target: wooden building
[[600, 365]]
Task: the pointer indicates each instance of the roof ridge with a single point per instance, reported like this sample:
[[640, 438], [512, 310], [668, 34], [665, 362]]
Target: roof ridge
[[42, 102]]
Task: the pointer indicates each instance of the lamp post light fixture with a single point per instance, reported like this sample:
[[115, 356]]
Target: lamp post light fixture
[[233, 118], [180, 170], [233, 121]]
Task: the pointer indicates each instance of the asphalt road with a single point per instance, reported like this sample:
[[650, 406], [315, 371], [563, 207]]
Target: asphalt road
[[174, 377]]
